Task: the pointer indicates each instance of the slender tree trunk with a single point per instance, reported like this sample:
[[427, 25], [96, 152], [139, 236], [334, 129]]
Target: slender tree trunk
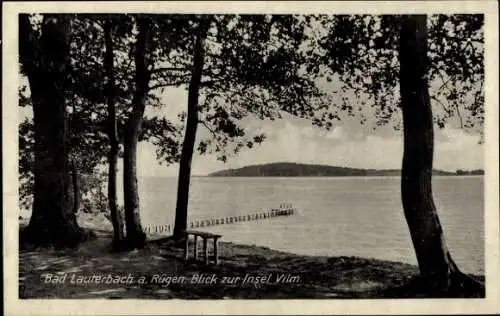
[[76, 187], [438, 270], [116, 216], [53, 221], [74, 170], [135, 235], [181, 210]]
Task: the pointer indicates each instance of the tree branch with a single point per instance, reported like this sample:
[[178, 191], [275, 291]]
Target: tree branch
[[179, 83], [442, 105], [455, 103], [459, 115], [168, 84], [214, 134], [458, 39], [166, 69]]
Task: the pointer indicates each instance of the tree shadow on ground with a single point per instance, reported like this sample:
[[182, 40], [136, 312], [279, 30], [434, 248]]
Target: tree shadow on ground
[[302, 277]]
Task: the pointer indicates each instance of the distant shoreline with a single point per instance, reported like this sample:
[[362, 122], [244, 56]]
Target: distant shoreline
[[287, 169], [346, 177]]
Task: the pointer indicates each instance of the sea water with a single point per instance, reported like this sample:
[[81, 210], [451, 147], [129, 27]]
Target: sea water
[[337, 216]]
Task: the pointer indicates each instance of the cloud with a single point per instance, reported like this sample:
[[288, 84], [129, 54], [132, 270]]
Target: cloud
[[296, 140], [293, 141], [459, 150]]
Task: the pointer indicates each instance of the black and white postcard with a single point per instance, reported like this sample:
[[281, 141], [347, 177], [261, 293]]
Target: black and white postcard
[[258, 157]]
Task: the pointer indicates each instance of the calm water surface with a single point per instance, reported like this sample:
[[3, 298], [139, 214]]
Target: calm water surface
[[337, 216]]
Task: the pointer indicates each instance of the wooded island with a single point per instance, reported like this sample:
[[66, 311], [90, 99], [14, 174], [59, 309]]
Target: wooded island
[[288, 169]]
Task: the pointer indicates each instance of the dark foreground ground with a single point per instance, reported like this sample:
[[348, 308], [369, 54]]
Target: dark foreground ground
[[245, 272]]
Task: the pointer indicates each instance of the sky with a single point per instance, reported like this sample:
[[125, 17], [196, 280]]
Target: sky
[[290, 139], [347, 144]]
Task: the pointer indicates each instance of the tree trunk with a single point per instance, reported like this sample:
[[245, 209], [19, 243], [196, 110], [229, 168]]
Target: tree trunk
[[181, 210], [75, 187], [439, 273], [53, 222], [74, 170], [116, 216], [135, 235]]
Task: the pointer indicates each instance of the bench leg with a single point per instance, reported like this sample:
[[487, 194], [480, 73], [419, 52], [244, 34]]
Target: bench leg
[[195, 247], [205, 250], [186, 248], [216, 254]]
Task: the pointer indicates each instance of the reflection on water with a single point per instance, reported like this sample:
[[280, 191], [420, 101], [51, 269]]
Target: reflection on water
[[337, 216]]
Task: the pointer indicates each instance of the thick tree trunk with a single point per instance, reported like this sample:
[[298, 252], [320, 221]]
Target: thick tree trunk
[[53, 221], [181, 210], [116, 216], [438, 271], [135, 235]]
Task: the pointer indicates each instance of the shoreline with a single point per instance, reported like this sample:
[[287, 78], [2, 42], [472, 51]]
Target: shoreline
[[244, 272]]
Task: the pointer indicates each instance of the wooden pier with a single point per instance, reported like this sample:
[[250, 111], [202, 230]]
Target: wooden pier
[[285, 209]]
